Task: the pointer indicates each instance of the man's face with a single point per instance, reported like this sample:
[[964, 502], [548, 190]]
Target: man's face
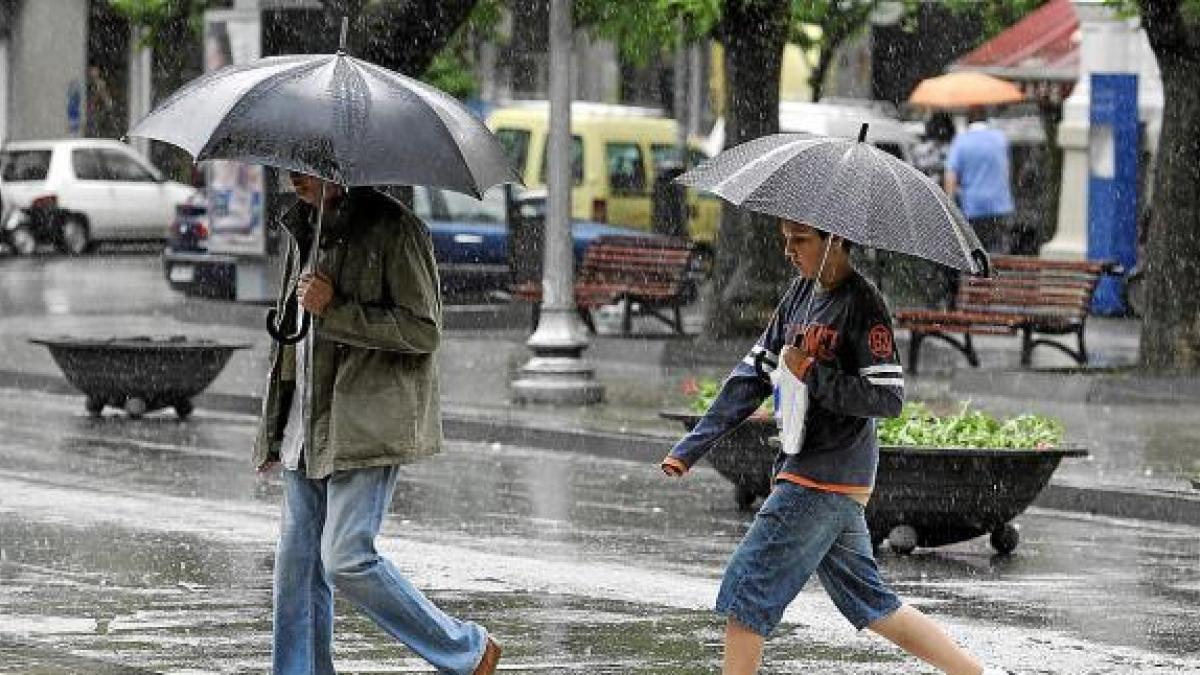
[[308, 188], [804, 247]]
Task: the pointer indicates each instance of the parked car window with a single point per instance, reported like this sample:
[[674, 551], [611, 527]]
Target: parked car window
[[668, 154], [87, 165], [626, 169], [464, 208], [122, 167], [576, 162], [22, 165], [422, 206], [516, 145], [893, 149]]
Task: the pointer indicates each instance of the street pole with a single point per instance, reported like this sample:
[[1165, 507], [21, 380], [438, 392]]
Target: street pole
[[694, 88], [557, 372], [681, 95]]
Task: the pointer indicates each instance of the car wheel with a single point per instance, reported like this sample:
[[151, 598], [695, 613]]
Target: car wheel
[[22, 240], [75, 238]]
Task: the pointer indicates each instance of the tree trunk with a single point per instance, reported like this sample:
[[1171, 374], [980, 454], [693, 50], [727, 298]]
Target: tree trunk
[[401, 36], [816, 81], [750, 270], [407, 39], [1171, 325]]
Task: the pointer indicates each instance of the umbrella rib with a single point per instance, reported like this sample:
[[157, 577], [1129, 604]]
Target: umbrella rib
[[930, 187], [425, 93], [259, 89], [754, 163], [909, 223]]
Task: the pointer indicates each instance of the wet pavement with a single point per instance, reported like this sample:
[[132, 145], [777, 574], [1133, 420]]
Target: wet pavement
[[1150, 445], [147, 544]]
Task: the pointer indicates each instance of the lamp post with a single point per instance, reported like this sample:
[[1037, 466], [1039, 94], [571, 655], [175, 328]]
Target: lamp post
[[557, 372]]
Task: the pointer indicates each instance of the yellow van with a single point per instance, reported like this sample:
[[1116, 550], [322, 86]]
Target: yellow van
[[615, 155]]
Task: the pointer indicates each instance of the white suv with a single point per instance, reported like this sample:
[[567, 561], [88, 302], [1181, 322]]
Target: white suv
[[75, 192]]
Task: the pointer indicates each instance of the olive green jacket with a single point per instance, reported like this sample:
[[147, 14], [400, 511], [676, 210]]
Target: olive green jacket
[[374, 397]]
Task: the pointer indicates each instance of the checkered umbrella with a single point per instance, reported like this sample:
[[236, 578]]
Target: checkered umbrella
[[846, 187]]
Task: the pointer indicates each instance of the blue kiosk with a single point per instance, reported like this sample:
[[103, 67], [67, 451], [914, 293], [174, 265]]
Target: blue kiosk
[[1113, 183]]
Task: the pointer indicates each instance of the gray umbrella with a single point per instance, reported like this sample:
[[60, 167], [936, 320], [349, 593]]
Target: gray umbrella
[[333, 116], [846, 187]]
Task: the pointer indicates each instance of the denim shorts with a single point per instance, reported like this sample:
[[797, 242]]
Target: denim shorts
[[796, 531]]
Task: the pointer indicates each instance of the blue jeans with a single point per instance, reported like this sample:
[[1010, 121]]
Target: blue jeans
[[327, 541], [798, 531]]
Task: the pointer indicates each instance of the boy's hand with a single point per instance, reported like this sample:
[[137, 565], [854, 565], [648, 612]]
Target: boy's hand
[[315, 292], [796, 359], [672, 467]]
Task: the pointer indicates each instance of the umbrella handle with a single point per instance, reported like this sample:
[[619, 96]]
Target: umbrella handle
[[281, 337]]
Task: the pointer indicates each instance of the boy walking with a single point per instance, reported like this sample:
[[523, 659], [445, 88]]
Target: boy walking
[[832, 330]]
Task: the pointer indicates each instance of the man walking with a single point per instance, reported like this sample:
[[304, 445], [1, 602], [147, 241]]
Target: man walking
[[343, 418], [977, 175]]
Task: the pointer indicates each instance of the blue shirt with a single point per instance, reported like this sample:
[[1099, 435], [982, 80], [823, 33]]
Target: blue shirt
[[979, 159], [854, 377]]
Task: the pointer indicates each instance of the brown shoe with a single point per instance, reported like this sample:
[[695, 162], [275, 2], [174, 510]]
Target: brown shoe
[[491, 656]]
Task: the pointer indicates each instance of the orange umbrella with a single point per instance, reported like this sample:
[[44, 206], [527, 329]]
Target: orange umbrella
[[964, 89]]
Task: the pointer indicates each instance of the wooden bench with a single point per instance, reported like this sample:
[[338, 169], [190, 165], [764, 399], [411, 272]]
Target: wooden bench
[[1028, 296], [652, 276]]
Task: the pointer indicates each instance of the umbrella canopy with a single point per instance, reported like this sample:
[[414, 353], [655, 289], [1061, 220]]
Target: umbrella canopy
[[332, 116], [845, 187], [963, 90]]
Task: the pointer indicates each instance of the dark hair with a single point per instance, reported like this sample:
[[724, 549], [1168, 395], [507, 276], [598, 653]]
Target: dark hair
[[940, 127], [847, 245], [976, 113]]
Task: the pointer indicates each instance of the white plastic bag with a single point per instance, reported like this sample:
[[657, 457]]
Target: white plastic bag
[[791, 405]]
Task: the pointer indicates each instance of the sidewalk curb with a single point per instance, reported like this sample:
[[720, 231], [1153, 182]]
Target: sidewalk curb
[[461, 424], [1158, 505]]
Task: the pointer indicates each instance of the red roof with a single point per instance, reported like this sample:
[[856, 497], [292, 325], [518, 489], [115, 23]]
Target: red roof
[[1042, 46]]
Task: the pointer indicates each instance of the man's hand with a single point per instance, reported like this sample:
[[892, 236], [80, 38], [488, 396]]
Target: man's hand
[[794, 358], [672, 467], [315, 292]]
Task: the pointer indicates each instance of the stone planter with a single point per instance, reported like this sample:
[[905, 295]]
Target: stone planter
[[923, 496], [139, 374]]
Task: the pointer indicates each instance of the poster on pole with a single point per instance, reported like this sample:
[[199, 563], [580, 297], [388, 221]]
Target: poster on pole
[[235, 190]]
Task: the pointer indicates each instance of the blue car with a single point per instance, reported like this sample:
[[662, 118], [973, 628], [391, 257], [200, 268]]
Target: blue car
[[470, 240]]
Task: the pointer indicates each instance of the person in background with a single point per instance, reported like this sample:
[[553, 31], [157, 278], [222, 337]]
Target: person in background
[[978, 177]]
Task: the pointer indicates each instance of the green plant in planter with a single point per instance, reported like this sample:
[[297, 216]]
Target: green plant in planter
[[918, 426], [702, 391]]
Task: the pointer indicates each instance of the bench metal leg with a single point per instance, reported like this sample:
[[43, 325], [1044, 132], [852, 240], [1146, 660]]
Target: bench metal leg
[[678, 319], [626, 317], [1080, 356], [964, 346], [914, 352], [1027, 345], [586, 315], [968, 351]]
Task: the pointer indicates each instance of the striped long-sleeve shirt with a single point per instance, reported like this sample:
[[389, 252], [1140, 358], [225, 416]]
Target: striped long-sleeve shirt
[[853, 375]]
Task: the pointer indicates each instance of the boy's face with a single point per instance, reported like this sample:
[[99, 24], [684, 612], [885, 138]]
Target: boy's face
[[804, 247]]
